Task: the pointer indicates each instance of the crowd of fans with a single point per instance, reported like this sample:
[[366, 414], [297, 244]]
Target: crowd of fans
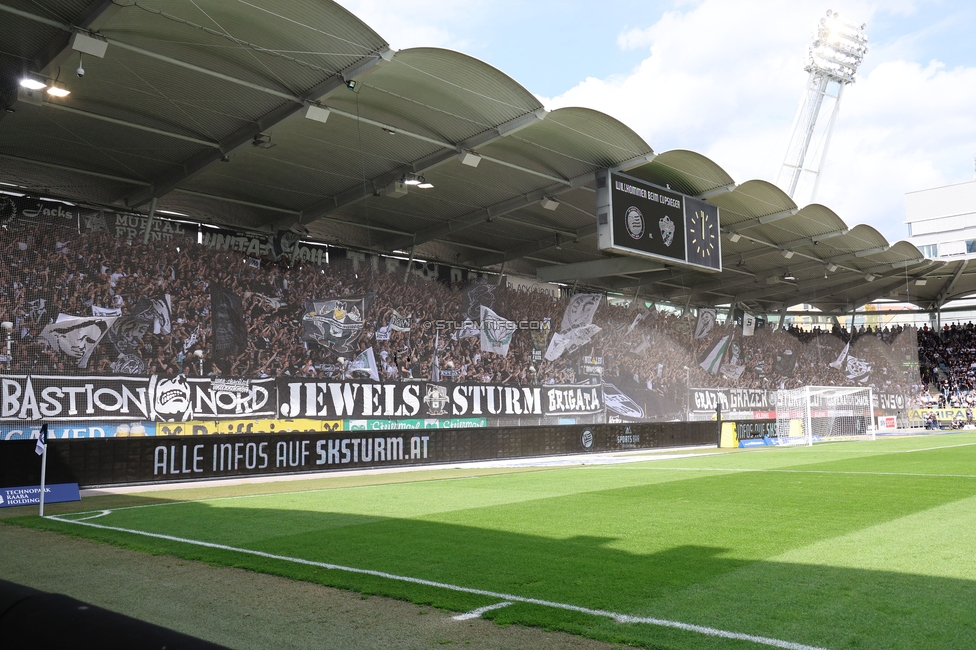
[[654, 355]]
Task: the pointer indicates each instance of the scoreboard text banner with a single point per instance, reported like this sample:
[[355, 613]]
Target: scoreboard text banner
[[637, 218]]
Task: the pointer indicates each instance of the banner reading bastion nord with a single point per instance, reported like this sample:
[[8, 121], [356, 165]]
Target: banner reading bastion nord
[[201, 326], [29, 398]]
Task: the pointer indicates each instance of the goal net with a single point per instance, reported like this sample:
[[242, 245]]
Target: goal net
[[819, 413]]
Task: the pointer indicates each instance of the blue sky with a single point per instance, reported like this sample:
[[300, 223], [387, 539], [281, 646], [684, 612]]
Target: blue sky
[[735, 74]]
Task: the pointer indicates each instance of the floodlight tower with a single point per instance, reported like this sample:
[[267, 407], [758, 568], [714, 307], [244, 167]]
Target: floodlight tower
[[837, 50]]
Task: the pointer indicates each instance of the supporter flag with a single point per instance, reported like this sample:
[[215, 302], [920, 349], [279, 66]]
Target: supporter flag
[[858, 369], [41, 440], [748, 324], [540, 337], [435, 366], [569, 341], [155, 312], [468, 329], [364, 364], [227, 321], [475, 297], [713, 360], [580, 311], [785, 364], [496, 332], [637, 319], [840, 359], [76, 338], [399, 323], [105, 311], [706, 321], [336, 323]]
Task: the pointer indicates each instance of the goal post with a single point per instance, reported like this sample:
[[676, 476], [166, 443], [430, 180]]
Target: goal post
[[821, 413]]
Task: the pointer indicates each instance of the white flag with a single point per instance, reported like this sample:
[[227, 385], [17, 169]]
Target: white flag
[[706, 321], [496, 332], [106, 311], [748, 324], [637, 319], [41, 440], [840, 359], [580, 311], [568, 341], [713, 361], [365, 363], [399, 322]]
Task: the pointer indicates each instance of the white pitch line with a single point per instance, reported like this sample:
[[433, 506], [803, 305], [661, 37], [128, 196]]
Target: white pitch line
[[792, 471], [619, 618], [965, 444], [476, 613]]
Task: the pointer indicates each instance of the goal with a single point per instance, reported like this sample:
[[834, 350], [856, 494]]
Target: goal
[[819, 413]]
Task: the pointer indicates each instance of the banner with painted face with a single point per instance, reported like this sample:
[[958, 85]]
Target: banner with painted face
[[28, 398], [74, 339]]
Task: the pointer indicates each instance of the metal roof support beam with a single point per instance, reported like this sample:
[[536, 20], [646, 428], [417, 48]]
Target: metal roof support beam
[[596, 269], [110, 177], [947, 290], [487, 214], [242, 136], [450, 151], [529, 249], [634, 163], [131, 125], [58, 50], [813, 241], [769, 218], [718, 191]]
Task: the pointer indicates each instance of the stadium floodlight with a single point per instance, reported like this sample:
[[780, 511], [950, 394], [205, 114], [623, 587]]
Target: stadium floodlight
[[833, 58], [57, 89], [411, 179], [32, 83]]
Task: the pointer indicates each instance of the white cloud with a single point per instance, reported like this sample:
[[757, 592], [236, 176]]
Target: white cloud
[[427, 24], [725, 78]]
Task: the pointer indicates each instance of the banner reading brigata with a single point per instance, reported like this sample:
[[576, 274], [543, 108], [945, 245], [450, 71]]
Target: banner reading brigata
[[311, 399]]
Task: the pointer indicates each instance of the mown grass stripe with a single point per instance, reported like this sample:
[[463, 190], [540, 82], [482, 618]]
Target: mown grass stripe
[[619, 618]]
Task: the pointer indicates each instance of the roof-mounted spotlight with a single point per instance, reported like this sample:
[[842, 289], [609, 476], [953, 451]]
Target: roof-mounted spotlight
[[734, 237], [549, 203], [351, 84], [317, 113], [469, 158], [831, 267], [57, 89], [787, 254], [410, 179], [262, 141], [424, 184], [32, 83], [921, 283], [789, 277], [870, 277]]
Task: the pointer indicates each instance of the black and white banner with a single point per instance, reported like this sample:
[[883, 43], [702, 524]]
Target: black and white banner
[[155, 398], [335, 323]]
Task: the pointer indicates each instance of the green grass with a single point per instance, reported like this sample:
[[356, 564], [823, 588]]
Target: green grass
[[849, 545]]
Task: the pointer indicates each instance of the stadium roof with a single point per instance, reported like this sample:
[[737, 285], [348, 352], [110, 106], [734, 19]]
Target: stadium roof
[[263, 114]]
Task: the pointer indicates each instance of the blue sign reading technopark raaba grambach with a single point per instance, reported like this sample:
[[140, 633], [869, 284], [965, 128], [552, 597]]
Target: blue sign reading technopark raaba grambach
[[30, 495]]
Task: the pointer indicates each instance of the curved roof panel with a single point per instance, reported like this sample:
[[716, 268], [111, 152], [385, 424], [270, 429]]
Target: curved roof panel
[[257, 115]]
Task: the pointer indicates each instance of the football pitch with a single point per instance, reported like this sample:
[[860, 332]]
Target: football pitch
[[843, 545]]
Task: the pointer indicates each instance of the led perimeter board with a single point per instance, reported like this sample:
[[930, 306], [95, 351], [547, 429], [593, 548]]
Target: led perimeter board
[[637, 218]]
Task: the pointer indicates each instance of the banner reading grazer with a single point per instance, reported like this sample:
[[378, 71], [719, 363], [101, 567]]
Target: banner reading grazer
[[158, 399]]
